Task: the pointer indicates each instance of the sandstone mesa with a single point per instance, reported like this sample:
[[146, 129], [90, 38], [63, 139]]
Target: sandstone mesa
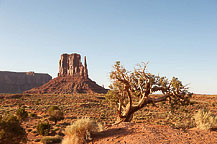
[[72, 78], [18, 82]]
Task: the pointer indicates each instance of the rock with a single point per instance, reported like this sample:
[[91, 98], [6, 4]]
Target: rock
[[18, 82], [72, 78], [70, 65]]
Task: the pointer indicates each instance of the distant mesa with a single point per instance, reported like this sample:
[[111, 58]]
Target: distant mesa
[[18, 82], [72, 78]]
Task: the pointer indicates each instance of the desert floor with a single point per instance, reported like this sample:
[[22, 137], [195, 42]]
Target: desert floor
[[152, 124]]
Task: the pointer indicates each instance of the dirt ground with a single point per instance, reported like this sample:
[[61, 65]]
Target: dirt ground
[[137, 133], [152, 124]]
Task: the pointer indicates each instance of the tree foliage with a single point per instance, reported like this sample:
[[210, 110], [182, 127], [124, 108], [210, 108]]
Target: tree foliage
[[132, 91]]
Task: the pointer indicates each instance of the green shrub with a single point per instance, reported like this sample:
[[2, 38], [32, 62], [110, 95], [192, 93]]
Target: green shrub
[[21, 114], [80, 131], [214, 104], [43, 128], [33, 115], [55, 114], [10, 130], [51, 139], [205, 120]]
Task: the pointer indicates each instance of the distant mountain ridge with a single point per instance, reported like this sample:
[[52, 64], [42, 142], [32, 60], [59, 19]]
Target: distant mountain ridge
[[18, 82]]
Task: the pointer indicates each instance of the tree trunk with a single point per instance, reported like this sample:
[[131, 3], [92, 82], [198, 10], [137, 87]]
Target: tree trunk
[[129, 115], [128, 118]]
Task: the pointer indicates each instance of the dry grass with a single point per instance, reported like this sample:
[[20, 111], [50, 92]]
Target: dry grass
[[205, 119], [51, 139], [80, 131]]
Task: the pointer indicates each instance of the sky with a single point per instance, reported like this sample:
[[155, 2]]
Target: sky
[[177, 37]]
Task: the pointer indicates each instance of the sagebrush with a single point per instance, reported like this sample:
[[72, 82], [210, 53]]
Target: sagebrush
[[55, 114], [43, 128], [21, 113], [11, 131], [81, 131], [205, 120]]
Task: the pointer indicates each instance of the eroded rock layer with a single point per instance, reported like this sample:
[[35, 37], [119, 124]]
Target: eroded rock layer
[[18, 82], [70, 65], [68, 85]]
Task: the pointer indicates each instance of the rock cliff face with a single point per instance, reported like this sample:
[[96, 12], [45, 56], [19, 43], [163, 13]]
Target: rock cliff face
[[72, 78], [70, 65], [18, 82]]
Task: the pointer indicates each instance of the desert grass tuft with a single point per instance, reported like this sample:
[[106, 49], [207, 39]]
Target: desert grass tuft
[[81, 131], [205, 120], [51, 139]]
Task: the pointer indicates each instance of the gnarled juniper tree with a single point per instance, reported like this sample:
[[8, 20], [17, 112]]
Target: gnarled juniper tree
[[132, 91]]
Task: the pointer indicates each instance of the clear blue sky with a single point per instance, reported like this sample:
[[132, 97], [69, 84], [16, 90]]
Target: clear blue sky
[[177, 37]]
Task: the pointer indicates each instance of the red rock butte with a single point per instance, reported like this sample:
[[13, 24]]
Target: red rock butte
[[70, 65], [72, 78]]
